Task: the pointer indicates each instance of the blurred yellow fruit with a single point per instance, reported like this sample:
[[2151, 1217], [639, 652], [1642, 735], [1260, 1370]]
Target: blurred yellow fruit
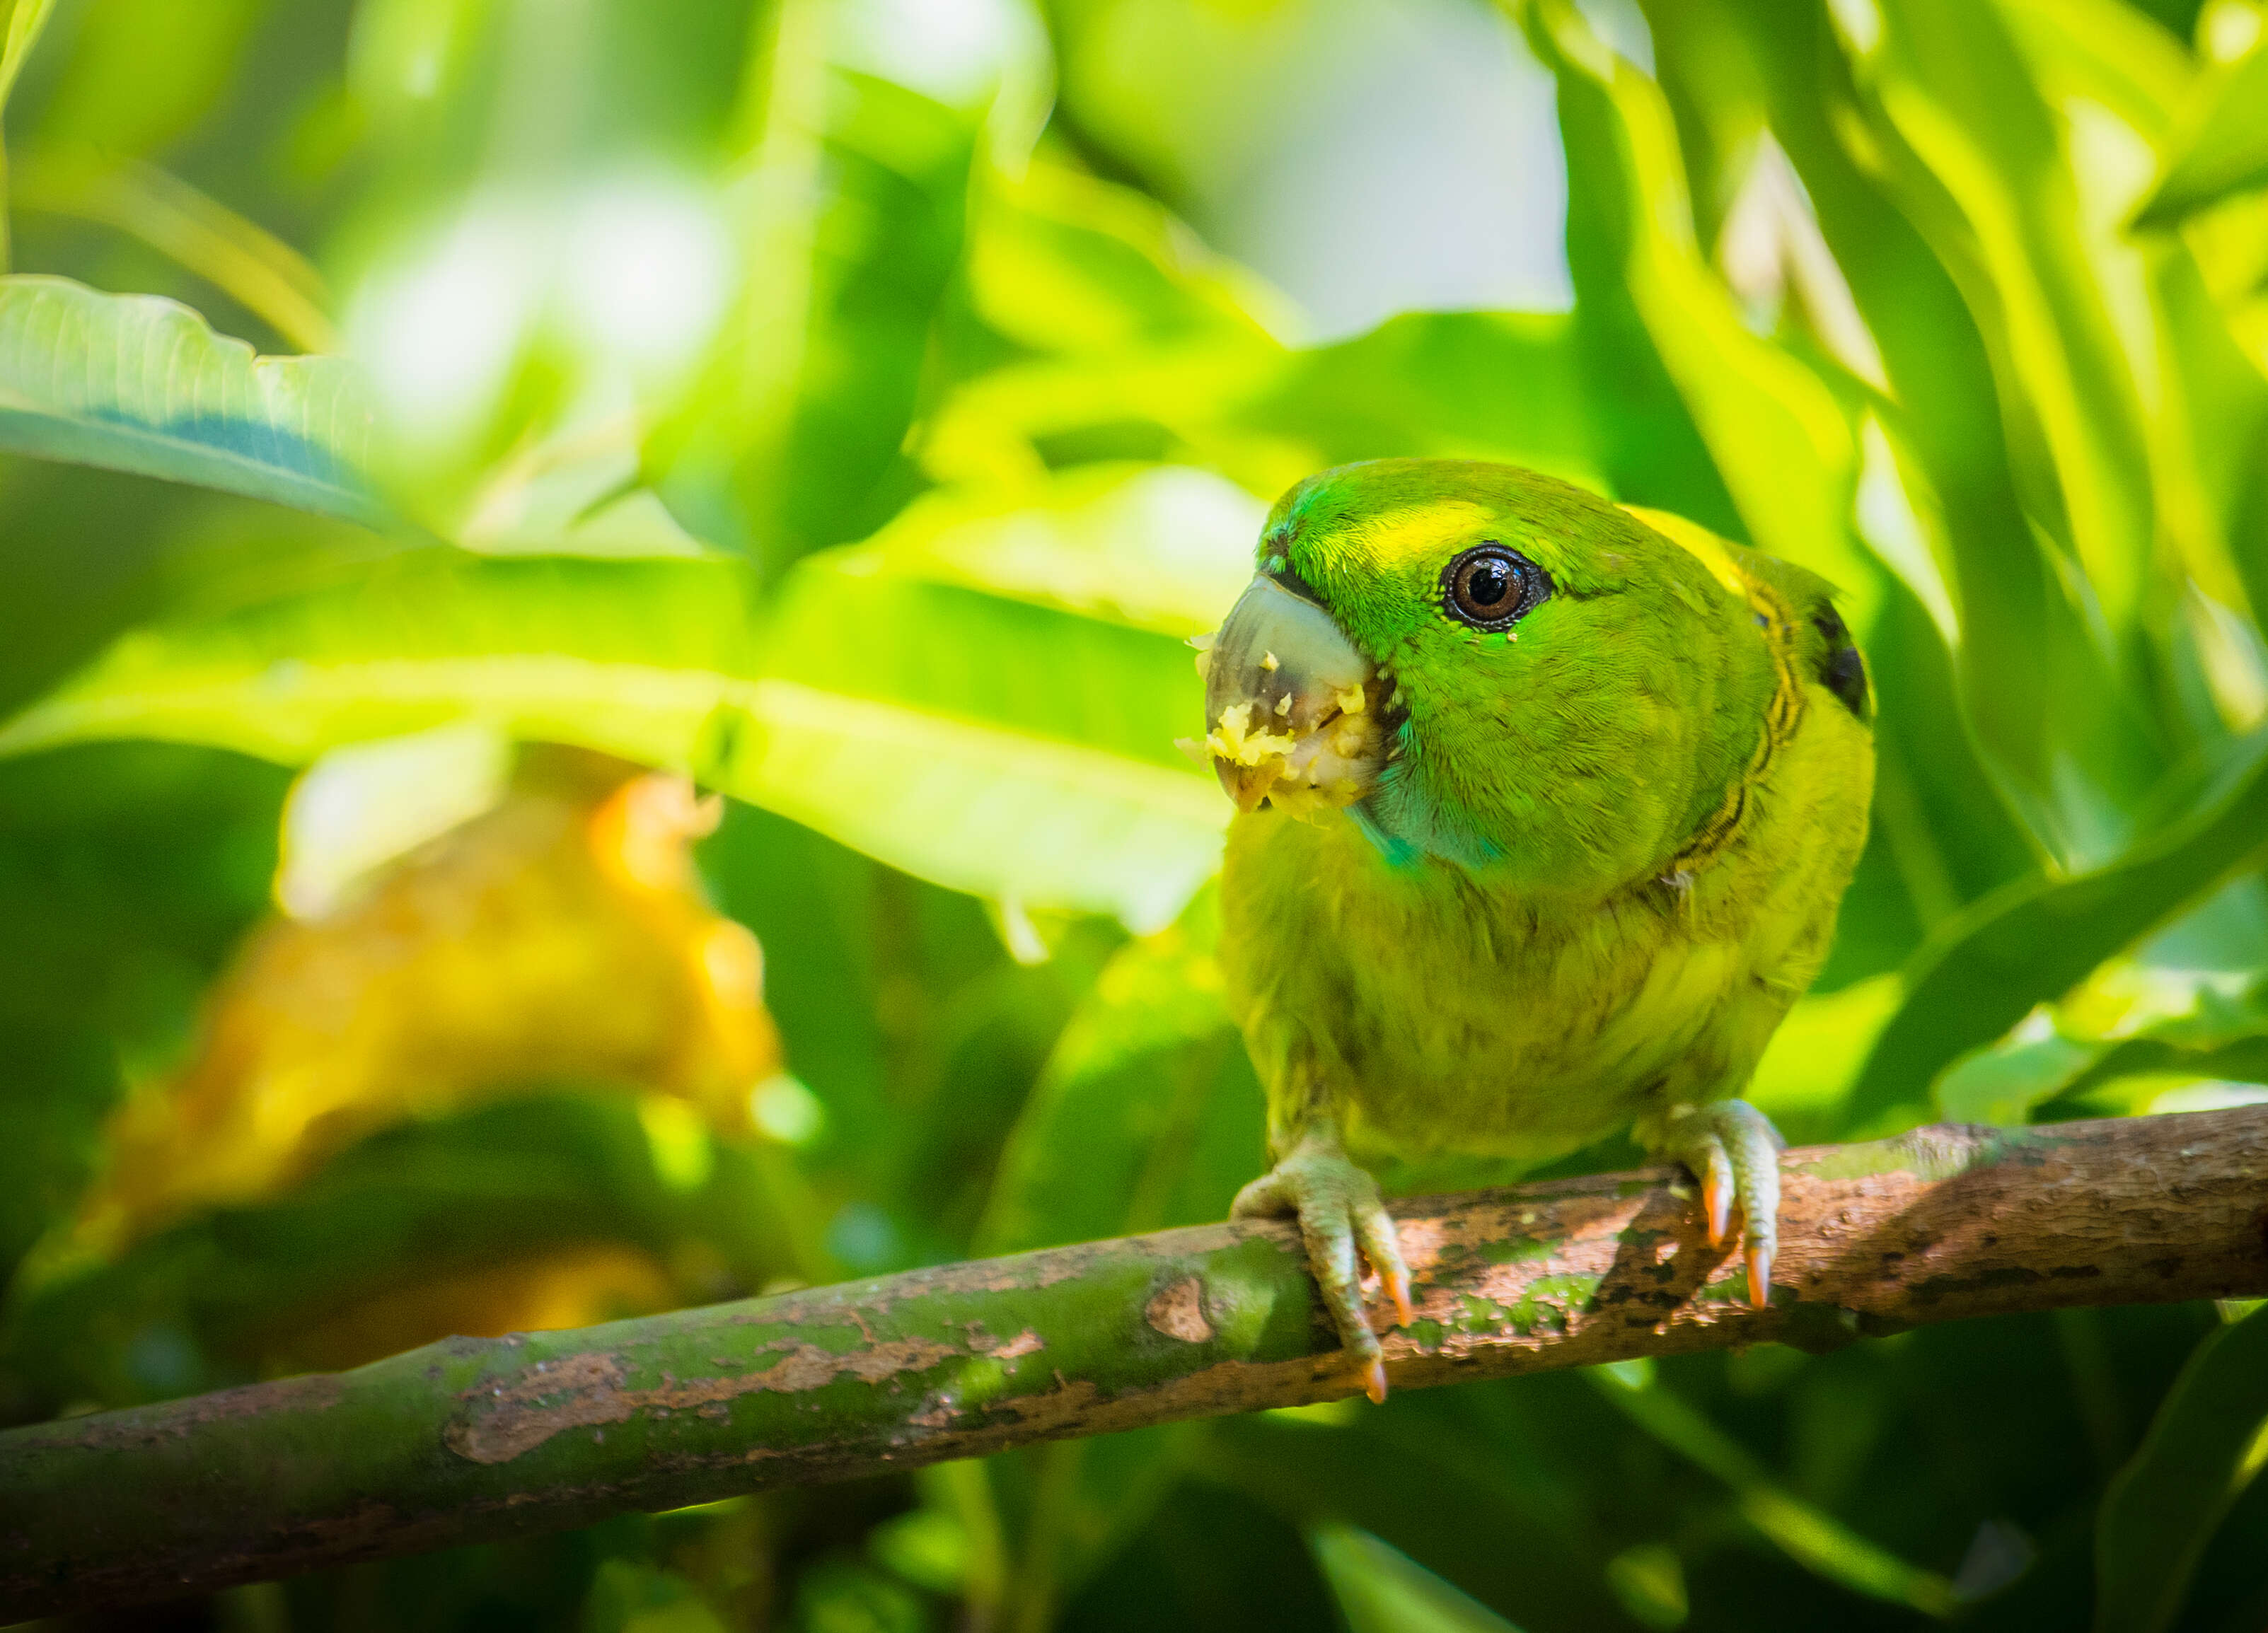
[[560, 937]]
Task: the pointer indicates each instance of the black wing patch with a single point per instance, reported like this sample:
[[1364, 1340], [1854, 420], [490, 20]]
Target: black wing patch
[[1842, 669]]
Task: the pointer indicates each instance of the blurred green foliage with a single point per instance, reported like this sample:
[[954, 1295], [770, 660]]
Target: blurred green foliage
[[836, 402]]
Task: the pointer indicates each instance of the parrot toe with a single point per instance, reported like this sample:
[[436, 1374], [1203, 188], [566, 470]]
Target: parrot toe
[[1734, 1151], [1344, 1223]]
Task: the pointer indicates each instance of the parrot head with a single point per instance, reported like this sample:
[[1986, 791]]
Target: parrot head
[[1488, 667]]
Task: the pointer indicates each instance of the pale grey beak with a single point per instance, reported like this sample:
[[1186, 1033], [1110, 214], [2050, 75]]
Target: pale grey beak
[[1289, 711]]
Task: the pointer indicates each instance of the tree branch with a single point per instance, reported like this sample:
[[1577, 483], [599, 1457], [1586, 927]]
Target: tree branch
[[469, 1440]]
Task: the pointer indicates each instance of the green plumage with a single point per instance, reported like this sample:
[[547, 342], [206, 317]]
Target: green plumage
[[1603, 854]]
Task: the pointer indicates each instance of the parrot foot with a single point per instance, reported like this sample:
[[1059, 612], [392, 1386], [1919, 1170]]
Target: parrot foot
[[1337, 1206], [1734, 1151]]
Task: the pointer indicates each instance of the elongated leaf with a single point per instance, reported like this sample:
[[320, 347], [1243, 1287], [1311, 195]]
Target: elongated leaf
[[1002, 813], [1812, 1537], [2127, 1020], [1147, 1115], [135, 383], [2207, 1442], [1158, 548], [1434, 382], [2058, 730], [629, 657], [2119, 57], [1781, 442], [2032, 941], [1012, 749], [2002, 207], [1382, 1589], [271, 279], [1136, 344], [2224, 151]]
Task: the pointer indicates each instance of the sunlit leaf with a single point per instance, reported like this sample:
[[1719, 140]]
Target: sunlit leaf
[[2032, 941], [133, 383], [1166, 548], [1781, 442], [2224, 151], [1130, 340], [1817, 1053], [2207, 1442], [2059, 733], [1016, 750], [2000, 206], [2129, 1020], [270, 279], [1434, 382], [629, 657], [1000, 813], [2119, 57]]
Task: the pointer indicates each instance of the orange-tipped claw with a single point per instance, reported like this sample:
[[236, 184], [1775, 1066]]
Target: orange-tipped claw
[[1717, 1208], [1397, 1289], [1759, 1277], [1373, 1382]]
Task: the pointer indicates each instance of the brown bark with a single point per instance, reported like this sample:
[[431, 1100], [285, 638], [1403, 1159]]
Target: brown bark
[[470, 1440]]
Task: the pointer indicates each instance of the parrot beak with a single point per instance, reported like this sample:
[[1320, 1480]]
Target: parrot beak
[[1293, 708]]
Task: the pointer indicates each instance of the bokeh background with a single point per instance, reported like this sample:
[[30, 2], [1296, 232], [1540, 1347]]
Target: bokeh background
[[655, 780]]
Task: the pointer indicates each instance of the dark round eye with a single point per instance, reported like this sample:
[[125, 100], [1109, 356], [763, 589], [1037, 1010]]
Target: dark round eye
[[1490, 586]]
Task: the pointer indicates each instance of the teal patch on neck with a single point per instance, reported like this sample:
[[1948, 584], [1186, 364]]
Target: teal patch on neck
[[1403, 821]]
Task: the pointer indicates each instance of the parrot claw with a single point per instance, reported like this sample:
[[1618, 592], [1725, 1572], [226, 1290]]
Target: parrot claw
[[1734, 1152], [1397, 1283], [1717, 1199], [1343, 1223]]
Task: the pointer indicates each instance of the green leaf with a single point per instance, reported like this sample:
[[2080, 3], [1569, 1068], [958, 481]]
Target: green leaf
[[1000, 813], [630, 658], [2002, 207], [1018, 750], [1125, 338], [2057, 729], [1382, 1589], [2207, 1442], [2224, 149], [1432, 383], [1817, 1054], [1146, 1113], [940, 699], [2032, 941], [1778, 436], [1807, 1534], [2118, 55], [2128, 1020], [266, 276], [138, 75], [25, 20], [1166, 548], [135, 383]]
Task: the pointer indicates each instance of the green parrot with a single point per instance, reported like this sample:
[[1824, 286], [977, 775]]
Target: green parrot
[[1545, 807]]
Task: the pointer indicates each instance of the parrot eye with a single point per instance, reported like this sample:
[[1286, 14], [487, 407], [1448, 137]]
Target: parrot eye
[[1490, 587]]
